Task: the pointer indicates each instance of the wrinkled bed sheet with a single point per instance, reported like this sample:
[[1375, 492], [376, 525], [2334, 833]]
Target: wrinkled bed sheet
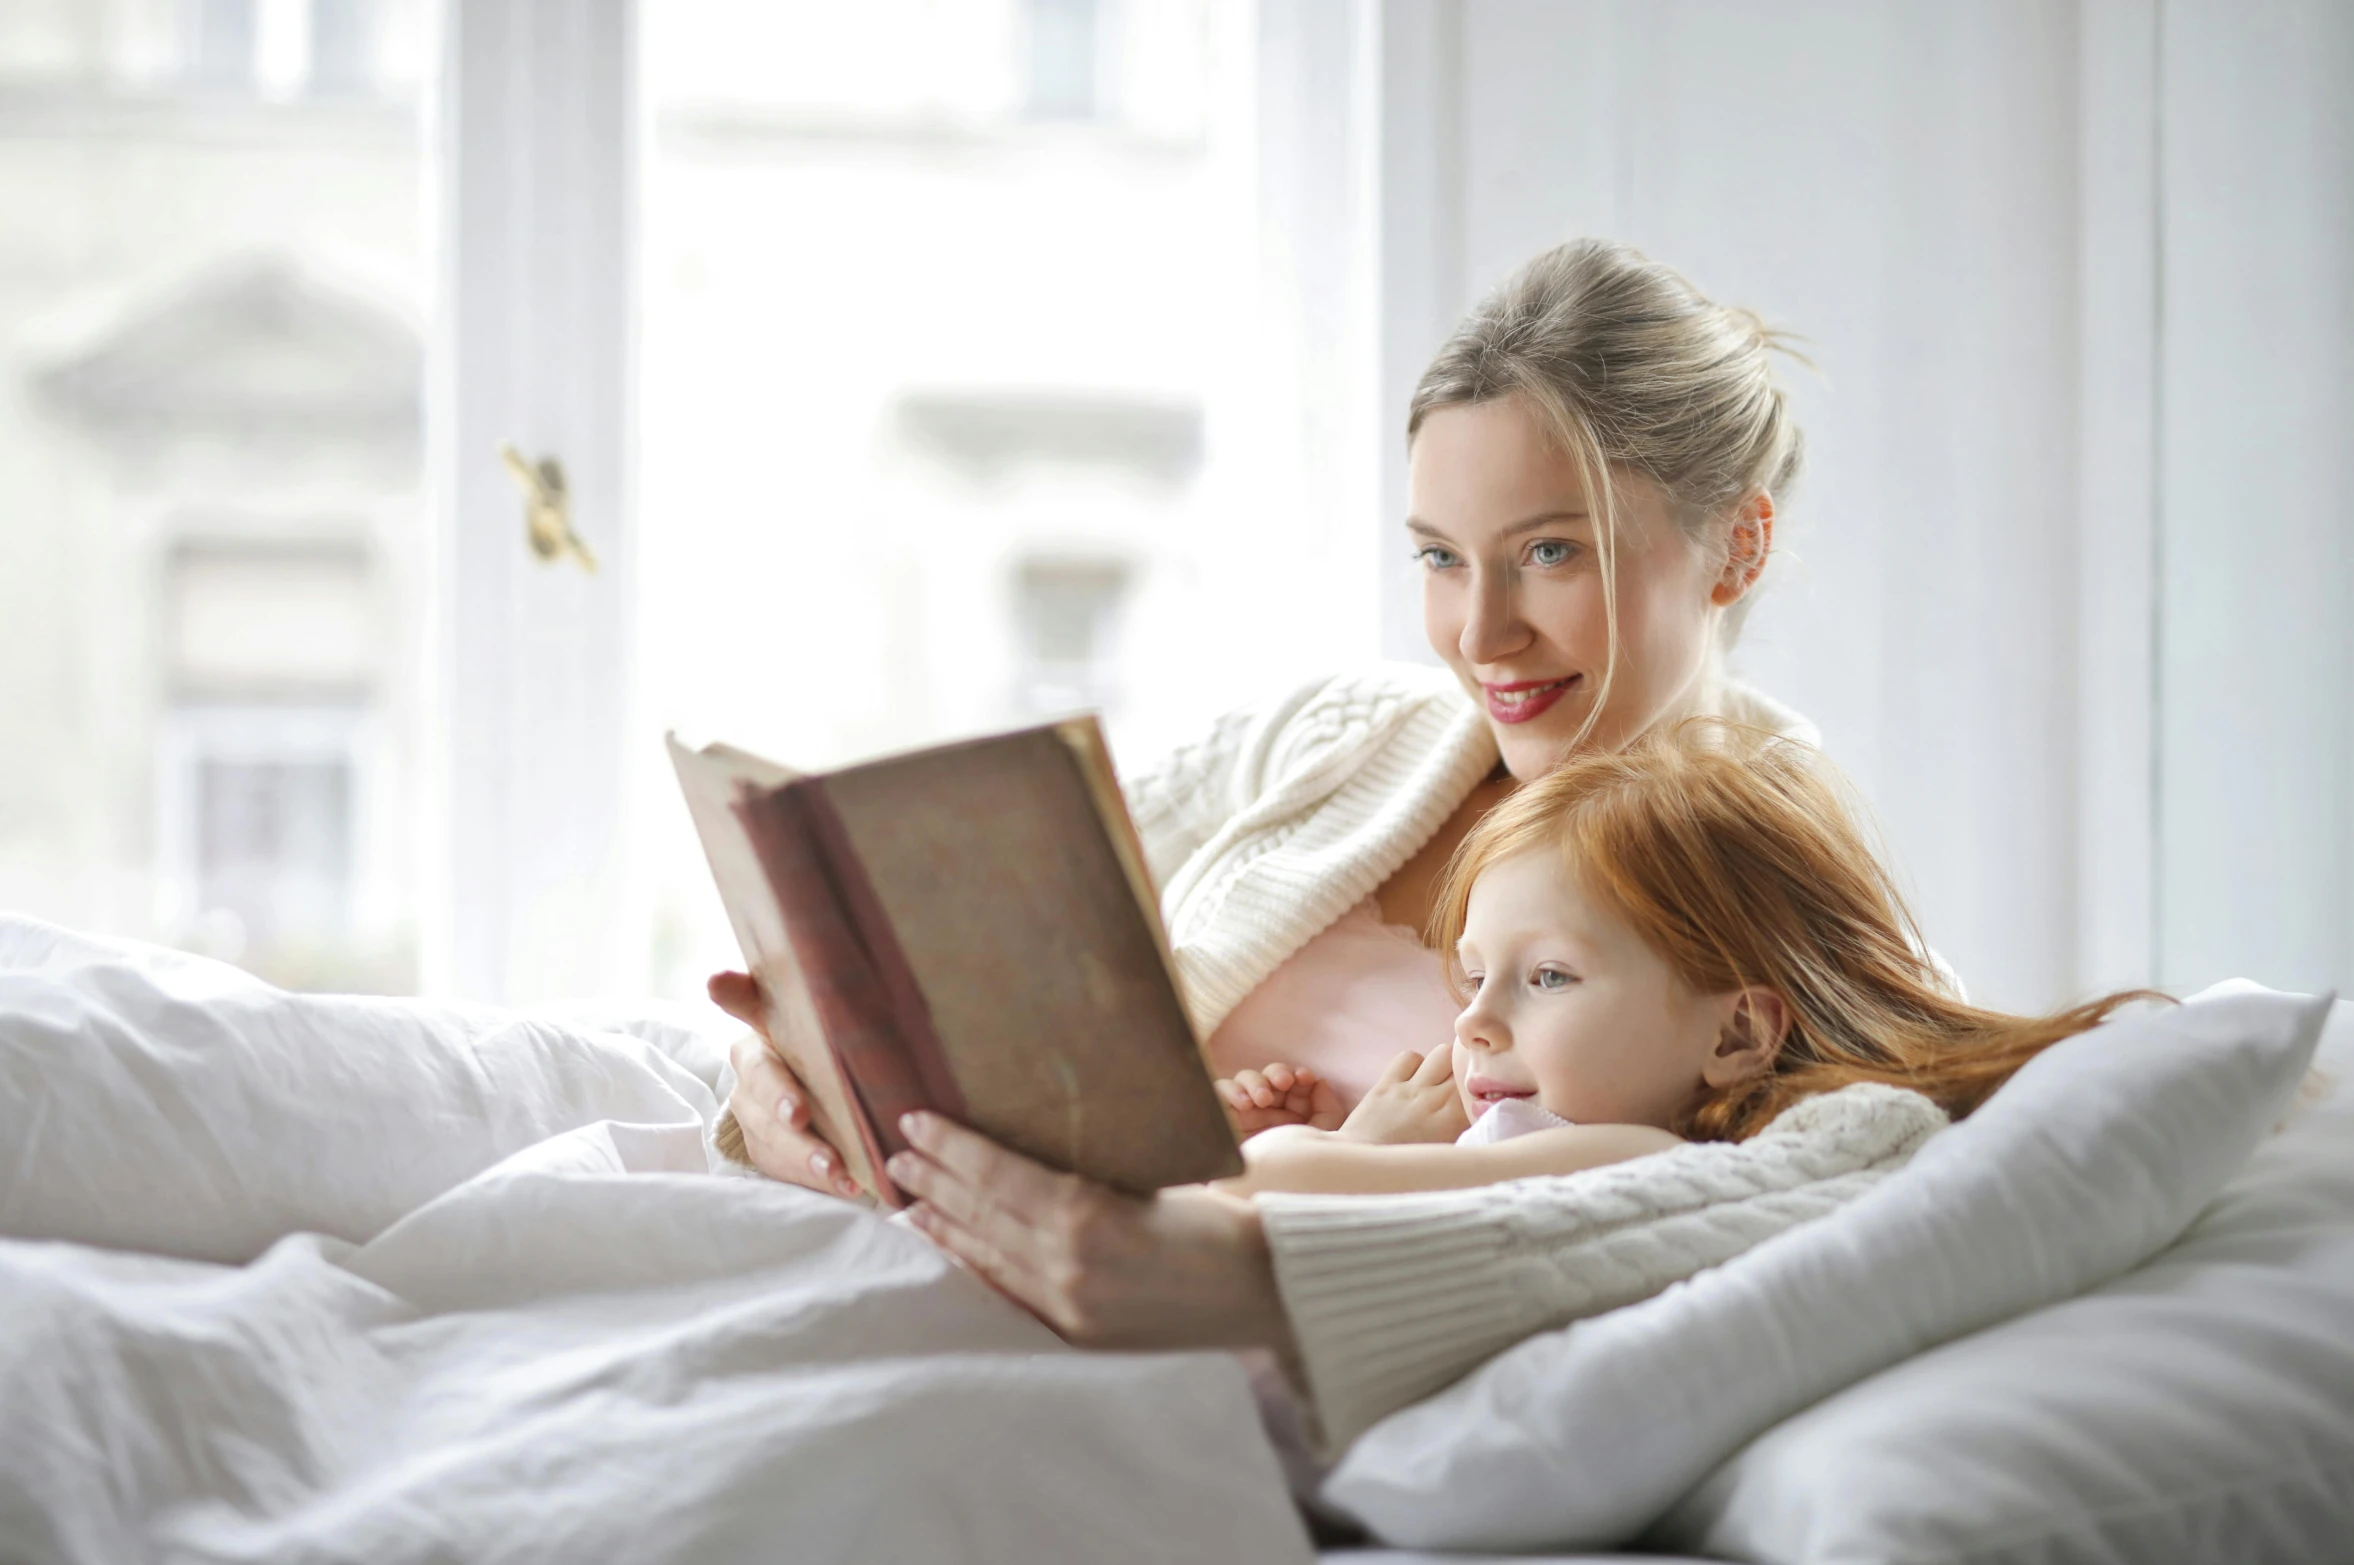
[[593, 1349]]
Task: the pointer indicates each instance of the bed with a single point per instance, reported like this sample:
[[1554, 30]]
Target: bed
[[324, 1278]]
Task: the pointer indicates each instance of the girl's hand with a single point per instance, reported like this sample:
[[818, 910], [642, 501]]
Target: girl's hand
[[1187, 1269], [1415, 1100], [1279, 1095], [770, 1106]]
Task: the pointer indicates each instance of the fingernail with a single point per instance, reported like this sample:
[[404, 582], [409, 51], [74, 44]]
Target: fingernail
[[911, 1125], [846, 1185], [785, 1106], [820, 1164], [899, 1165]]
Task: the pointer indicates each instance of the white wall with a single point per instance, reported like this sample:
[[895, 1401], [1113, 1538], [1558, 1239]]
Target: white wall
[[1881, 179], [1957, 206], [2256, 783]]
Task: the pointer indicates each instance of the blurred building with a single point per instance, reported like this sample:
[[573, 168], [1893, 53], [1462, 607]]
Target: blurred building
[[954, 397], [210, 313], [956, 408]]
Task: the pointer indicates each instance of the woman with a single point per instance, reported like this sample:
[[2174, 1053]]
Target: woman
[[1594, 461]]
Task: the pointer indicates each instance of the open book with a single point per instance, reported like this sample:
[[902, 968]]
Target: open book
[[969, 929]]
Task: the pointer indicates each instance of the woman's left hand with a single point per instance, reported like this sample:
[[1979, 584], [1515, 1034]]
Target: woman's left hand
[[1188, 1268]]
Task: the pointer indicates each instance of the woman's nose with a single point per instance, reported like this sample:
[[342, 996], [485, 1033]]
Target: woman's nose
[[1493, 629]]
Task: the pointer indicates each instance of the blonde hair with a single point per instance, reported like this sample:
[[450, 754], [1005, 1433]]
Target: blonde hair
[[1732, 853], [1631, 371]]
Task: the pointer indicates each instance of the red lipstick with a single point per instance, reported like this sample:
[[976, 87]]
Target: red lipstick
[[1525, 700]]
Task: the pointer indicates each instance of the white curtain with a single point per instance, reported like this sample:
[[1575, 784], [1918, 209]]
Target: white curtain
[[2078, 281]]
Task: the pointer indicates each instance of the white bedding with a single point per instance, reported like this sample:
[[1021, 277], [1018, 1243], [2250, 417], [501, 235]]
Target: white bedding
[[588, 1350], [296, 1278]]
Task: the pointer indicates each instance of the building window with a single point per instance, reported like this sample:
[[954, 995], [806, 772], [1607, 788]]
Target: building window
[[343, 46], [1064, 76], [274, 849], [269, 760], [1067, 617], [261, 835], [223, 42]]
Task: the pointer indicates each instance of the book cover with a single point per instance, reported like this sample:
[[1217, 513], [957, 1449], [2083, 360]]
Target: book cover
[[970, 929]]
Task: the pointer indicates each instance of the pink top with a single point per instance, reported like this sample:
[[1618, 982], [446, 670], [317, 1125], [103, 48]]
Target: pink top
[[1345, 1004]]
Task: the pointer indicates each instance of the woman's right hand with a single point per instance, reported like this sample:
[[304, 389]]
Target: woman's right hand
[[769, 1103]]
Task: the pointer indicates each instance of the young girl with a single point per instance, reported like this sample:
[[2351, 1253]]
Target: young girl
[[1674, 942]]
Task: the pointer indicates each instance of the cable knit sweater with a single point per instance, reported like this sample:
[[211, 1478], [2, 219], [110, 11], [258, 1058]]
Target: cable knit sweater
[[1260, 836], [1394, 1297], [1287, 815]]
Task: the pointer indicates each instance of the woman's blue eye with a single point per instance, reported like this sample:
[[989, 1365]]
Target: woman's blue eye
[[1434, 558], [1551, 978], [1551, 551]]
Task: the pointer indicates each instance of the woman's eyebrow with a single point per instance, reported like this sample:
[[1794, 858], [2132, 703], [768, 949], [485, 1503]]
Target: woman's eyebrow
[[1543, 519], [1422, 529]]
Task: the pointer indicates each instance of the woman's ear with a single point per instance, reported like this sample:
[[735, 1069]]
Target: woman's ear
[[1752, 1037], [1747, 547]]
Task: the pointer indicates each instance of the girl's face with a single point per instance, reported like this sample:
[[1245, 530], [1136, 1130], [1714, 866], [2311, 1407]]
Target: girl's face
[[1570, 1007], [1512, 586]]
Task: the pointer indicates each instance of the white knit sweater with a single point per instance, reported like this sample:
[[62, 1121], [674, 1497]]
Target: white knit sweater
[[1393, 1297], [1289, 814], [1260, 836]]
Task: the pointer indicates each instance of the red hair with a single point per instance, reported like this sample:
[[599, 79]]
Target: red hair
[[1733, 854]]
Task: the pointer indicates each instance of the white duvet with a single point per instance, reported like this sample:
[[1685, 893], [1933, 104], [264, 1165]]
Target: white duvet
[[307, 1279]]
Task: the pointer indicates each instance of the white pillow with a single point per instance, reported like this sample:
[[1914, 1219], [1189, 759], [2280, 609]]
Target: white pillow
[[2201, 1407], [153, 1100], [2096, 1155]]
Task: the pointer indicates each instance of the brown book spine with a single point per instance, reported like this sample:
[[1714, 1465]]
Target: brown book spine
[[860, 985], [916, 1075], [824, 949]]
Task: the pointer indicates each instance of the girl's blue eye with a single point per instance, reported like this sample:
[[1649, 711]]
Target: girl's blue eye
[[1551, 551], [1433, 558], [1551, 978]]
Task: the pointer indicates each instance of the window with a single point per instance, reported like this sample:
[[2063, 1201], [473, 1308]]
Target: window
[[949, 419], [343, 46], [210, 498], [273, 833], [1064, 59], [273, 849], [223, 42], [1066, 613], [278, 842]]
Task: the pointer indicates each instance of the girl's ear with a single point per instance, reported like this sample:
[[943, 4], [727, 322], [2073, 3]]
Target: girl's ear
[[1752, 1038]]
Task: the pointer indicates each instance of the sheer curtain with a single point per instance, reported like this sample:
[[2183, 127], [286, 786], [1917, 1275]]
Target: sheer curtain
[[2062, 587]]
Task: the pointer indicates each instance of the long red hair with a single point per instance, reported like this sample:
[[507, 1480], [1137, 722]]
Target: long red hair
[[1734, 854]]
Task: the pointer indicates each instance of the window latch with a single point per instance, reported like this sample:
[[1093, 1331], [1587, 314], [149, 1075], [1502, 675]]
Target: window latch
[[547, 508]]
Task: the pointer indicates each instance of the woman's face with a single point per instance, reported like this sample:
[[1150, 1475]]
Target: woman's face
[[1512, 586]]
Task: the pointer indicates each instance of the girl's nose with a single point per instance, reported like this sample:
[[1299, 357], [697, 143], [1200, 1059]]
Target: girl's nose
[[1481, 1028]]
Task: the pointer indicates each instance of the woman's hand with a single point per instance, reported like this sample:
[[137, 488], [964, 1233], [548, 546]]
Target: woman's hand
[[1415, 1100], [1187, 1269], [770, 1106], [1279, 1095]]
